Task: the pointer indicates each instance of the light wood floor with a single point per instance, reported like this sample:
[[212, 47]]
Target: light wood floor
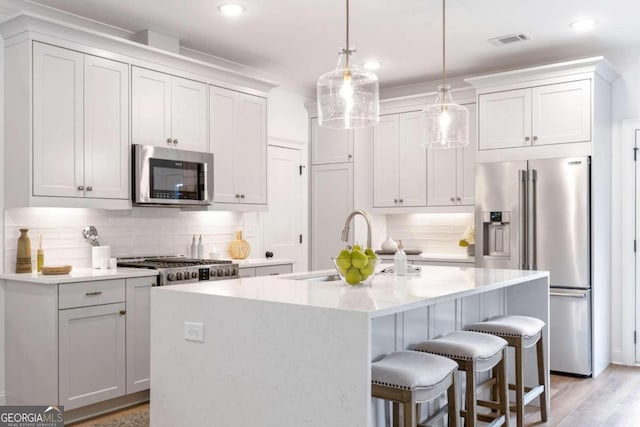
[[611, 400]]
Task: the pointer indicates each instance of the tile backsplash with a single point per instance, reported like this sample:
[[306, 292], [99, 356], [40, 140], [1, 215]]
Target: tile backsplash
[[138, 231], [433, 233]]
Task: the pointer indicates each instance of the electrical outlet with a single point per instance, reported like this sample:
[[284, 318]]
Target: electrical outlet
[[194, 331]]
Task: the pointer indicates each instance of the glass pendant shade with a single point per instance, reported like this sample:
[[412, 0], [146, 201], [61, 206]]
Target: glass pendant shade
[[446, 123], [348, 97]]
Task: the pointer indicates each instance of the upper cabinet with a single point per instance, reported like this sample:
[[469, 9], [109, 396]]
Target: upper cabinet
[[168, 111], [330, 145], [399, 161], [541, 115], [451, 173], [80, 125], [238, 123]]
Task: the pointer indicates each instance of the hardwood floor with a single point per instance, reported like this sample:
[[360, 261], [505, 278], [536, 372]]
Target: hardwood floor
[[611, 400]]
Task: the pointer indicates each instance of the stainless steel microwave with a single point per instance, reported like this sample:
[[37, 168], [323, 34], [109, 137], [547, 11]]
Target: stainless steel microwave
[[167, 176]]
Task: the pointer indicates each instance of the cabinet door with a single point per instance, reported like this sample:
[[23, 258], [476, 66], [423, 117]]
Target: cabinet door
[[138, 333], [150, 107], [58, 141], [412, 161], [386, 138], [250, 149], [504, 119], [189, 115], [466, 164], [441, 176], [222, 107], [331, 202], [91, 351], [330, 145], [561, 113], [106, 128]]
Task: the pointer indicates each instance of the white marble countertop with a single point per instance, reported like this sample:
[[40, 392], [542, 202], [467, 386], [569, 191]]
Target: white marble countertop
[[433, 257], [80, 275], [387, 294], [262, 262]]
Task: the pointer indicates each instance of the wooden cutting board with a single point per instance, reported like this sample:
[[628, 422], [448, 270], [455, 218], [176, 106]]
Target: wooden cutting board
[[55, 269]]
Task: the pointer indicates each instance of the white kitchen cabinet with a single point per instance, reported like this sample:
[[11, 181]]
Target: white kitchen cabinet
[[399, 161], [91, 354], [266, 270], [80, 125], [168, 111], [331, 202], [138, 296], [330, 145], [451, 173], [548, 114], [238, 134]]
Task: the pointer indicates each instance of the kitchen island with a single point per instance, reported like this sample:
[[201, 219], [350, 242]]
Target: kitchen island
[[296, 350]]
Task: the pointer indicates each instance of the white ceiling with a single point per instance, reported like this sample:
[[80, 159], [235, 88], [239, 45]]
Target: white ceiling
[[299, 39]]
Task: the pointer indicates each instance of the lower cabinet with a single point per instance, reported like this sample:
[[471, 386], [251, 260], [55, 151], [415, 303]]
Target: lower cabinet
[[138, 332]]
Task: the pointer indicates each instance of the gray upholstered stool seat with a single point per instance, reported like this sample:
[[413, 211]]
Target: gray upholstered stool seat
[[412, 378], [521, 332], [476, 352]]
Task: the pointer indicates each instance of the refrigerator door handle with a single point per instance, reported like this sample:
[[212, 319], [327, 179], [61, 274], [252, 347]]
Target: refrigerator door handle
[[522, 194], [531, 219]]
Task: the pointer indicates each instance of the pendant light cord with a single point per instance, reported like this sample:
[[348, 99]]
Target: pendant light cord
[[443, 43], [346, 49]]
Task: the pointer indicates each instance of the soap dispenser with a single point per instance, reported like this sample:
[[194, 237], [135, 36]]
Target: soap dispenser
[[200, 248], [194, 247], [400, 261]]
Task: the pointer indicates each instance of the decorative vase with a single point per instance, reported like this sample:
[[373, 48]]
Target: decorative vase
[[23, 259], [389, 245], [239, 248], [471, 250]]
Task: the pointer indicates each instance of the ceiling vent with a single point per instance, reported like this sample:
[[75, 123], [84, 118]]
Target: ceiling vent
[[510, 39]]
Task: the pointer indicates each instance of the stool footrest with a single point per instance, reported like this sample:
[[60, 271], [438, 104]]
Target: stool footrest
[[530, 393], [488, 404]]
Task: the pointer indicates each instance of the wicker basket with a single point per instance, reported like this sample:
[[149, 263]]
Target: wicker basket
[[239, 249]]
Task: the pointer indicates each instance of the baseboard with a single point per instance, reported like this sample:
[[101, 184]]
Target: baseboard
[[100, 408], [616, 357]]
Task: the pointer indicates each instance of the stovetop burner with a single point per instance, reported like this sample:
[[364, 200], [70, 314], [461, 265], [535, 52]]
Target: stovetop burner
[[176, 268]]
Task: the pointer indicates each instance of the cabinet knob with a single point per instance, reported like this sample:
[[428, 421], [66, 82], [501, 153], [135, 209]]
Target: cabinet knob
[[242, 196], [400, 200], [395, 200], [80, 187], [458, 199], [175, 142], [535, 138], [89, 188], [123, 312], [169, 141], [237, 196], [350, 156], [526, 138], [453, 199]]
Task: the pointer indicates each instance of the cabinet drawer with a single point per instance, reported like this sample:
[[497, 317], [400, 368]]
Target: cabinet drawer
[[90, 293], [273, 270]]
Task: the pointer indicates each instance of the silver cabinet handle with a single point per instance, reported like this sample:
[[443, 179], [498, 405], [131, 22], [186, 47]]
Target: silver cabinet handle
[[89, 188], [80, 187], [123, 312], [93, 294], [169, 141], [535, 138], [175, 142], [526, 138], [274, 274]]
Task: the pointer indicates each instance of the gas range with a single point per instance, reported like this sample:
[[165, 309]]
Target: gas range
[[177, 269]]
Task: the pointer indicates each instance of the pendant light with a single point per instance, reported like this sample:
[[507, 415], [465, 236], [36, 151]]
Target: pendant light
[[446, 123], [347, 96]]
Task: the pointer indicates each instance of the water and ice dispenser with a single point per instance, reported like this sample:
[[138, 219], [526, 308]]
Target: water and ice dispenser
[[496, 229]]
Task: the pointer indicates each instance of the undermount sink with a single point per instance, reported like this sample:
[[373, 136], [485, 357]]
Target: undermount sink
[[319, 276], [329, 278]]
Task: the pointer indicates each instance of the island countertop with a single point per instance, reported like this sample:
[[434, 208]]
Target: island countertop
[[388, 294]]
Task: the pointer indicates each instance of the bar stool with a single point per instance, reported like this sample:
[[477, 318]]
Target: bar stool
[[475, 352], [521, 332], [411, 378]]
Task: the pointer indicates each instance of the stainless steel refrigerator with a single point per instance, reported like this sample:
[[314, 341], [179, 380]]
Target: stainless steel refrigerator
[[535, 215]]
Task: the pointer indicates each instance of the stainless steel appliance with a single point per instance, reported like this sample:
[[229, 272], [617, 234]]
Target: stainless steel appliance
[[535, 215], [177, 270], [167, 176]]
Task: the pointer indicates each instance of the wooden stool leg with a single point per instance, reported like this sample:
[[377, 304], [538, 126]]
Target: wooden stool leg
[[503, 387], [409, 412], [396, 414], [542, 379], [519, 385], [471, 418], [452, 402]]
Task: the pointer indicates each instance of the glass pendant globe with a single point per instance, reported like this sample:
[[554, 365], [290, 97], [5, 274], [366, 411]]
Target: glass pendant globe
[[446, 123], [348, 97]]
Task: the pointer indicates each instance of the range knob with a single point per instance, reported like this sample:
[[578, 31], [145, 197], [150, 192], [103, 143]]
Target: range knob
[[187, 275], [227, 272], [179, 275], [171, 277], [194, 274], [213, 272]]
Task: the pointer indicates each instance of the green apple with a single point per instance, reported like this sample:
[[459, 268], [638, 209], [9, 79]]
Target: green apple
[[358, 259], [353, 276]]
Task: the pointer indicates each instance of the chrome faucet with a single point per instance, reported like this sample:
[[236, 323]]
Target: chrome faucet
[[345, 230]]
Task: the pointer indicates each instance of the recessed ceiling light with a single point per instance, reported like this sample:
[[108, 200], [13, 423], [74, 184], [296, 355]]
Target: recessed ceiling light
[[372, 65], [231, 9], [583, 24]]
